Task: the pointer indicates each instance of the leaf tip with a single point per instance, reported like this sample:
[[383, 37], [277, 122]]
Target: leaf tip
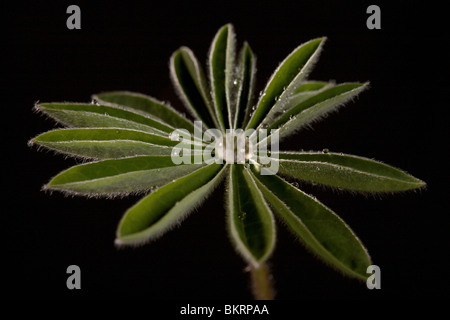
[[420, 184], [323, 39], [366, 85], [228, 26], [118, 243], [31, 143], [36, 106]]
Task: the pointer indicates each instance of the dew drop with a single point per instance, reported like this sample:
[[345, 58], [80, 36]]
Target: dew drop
[[241, 215], [94, 101], [295, 184], [325, 150], [174, 136], [235, 82]]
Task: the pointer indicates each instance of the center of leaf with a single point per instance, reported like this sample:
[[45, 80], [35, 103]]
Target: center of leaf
[[234, 148]]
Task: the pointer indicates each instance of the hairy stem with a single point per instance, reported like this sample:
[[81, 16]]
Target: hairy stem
[[262, 282]]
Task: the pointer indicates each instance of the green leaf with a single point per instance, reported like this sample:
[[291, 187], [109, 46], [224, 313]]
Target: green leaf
[[189, 81], [103, 143], [119, 176], [245, 83], [92, 115], [316, 107], [221, 74], [250, 221], [167, 206], [305, 91], [148, 105], [319, 228], [308, 86], [286, 79], [346, 171]]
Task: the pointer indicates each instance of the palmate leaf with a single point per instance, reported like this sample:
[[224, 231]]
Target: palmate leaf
[[319, 228], [346, 171], [131, 136], [250, 221], [83, 115], [148, 105], [167, 206], [105, 143], [119, 176]]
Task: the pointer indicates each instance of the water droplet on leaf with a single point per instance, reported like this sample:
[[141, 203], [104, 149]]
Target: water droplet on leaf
[[241, 215], [174, 136]]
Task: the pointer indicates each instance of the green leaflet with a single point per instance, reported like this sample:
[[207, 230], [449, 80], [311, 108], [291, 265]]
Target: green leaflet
[[189, 80], [316, 107], [103, 143], [250, 221], [304, 92], [93, 115], [245, 83], [286, 79], [146, 104], [221, 74], [319, 228], [167, 206], [346, 171], [311, 86], [119, 176]]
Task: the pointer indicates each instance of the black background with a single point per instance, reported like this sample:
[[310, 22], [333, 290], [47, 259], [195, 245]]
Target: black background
[[401, 120]]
